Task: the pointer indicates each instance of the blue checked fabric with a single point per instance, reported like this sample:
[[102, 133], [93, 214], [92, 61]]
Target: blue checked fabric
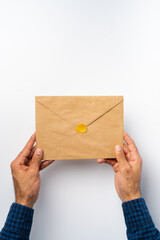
[[138, 221], [137, 218], [18, 223]]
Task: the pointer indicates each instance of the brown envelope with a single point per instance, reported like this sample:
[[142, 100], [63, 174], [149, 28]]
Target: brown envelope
[[58, 116]]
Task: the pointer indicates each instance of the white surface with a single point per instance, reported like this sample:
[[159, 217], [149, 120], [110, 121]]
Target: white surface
[[80, 48]]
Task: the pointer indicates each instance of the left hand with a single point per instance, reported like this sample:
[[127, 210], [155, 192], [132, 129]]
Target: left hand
[[127, 167], [25, 172]]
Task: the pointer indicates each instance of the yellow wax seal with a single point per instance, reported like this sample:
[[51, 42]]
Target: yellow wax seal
[[81, 128]]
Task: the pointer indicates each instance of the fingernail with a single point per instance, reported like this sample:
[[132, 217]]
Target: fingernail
[[38, 151], [118, 148]]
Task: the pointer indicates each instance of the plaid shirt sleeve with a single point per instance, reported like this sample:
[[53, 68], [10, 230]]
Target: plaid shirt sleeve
[[138, 221], [18, 223]]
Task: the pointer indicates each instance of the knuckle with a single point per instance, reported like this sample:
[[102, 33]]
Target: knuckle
[[140, 161], [12, 165], [126, 169]]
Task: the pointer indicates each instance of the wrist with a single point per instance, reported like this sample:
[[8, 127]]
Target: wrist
[[131, 197], [24, 203]]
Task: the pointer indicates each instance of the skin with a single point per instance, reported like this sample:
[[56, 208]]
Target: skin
[[127, 167], [25, 170], [27, 165]]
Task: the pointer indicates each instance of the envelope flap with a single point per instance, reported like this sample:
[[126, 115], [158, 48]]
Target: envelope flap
[[79, 109]]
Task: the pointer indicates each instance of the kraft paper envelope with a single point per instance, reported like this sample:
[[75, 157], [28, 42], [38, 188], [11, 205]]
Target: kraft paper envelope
[[78, 127]]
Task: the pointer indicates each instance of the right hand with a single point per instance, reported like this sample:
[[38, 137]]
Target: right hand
[[127, 169], [25, 172]]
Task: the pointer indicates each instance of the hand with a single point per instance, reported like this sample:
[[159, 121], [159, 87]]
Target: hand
[[25, 172], [127, 169]]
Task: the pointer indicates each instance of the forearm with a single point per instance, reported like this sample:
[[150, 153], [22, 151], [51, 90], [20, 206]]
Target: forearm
[[18, 223], [138, 221]]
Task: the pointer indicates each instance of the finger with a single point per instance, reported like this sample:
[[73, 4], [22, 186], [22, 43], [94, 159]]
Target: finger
[[109, 160], [29, 158], [22, 161], [28, 147], [131, 144], [127, 138], [36, 159], [120, 156], [125, 147], [32, 152], [113, 163], [100, 160], [45, 164]]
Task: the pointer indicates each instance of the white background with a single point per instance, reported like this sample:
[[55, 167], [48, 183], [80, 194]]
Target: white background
[[82, 47]]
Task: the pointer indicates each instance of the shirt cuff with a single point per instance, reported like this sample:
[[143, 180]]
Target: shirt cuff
[[136, 214], [19, 220]]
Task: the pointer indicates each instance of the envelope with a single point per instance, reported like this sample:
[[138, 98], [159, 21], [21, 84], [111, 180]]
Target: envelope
[[78, 127]]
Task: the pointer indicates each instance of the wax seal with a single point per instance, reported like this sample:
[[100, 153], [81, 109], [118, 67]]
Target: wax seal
[[81, 128]]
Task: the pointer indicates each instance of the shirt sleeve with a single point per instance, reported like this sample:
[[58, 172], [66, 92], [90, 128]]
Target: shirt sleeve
[[18, 223], [138, 221]]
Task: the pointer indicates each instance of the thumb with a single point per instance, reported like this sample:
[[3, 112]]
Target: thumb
[[120, 156], [36, 159]]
